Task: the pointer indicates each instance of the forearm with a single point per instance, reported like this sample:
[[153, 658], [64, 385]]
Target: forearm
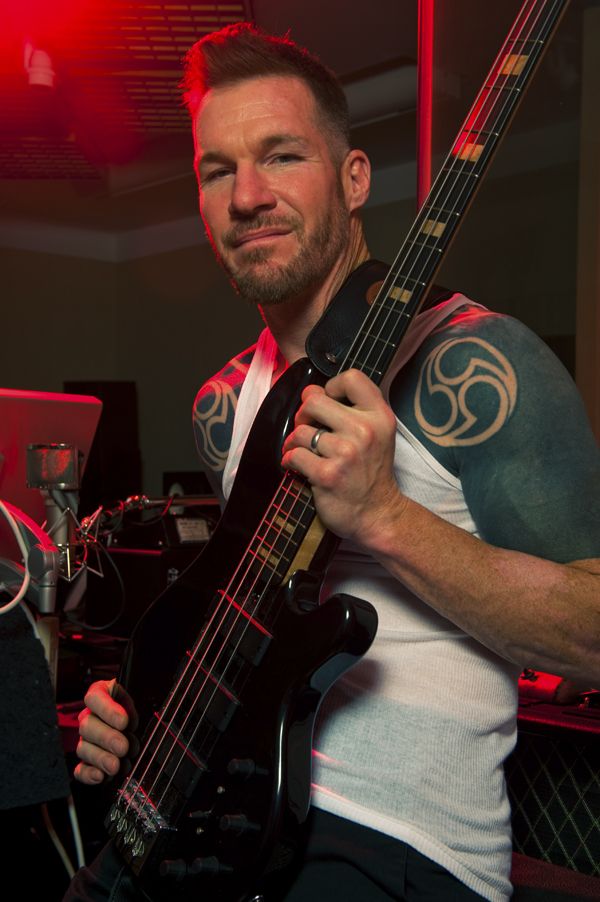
[[531, 611]]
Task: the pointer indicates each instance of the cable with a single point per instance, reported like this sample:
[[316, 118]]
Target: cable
[[104, 626], [24, 551], [76, 832], [57, 843]]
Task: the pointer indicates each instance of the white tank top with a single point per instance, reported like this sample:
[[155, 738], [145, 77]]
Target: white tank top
[[412, 740]]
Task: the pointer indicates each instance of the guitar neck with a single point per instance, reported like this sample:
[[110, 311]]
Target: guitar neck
[[419, 258], [292, 511]]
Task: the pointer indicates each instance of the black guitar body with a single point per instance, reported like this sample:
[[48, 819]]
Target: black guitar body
[[217, 813]]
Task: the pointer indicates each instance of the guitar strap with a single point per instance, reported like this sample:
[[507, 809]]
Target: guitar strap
[[329, 341], [331, 336]]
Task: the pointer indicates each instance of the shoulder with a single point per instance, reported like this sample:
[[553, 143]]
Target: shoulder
[[473, 375], [491, 402], [214, 410]]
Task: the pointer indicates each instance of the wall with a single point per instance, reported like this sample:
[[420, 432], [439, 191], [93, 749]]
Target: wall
[[169, 321]]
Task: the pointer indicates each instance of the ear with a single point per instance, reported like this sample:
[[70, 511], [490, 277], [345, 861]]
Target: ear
[[356, 179]]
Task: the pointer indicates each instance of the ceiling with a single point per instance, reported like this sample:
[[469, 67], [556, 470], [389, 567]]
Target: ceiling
[[103, 142]]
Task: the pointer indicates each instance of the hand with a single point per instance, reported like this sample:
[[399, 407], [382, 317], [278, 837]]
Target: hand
[[352, 475], [103, 744]]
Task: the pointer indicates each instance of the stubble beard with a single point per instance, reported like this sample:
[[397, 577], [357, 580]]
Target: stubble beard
[[269, 285]]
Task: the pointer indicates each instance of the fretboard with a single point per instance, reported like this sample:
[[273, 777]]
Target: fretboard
[[419, 258]]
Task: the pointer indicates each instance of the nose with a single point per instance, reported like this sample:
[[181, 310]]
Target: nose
[[251, 192]]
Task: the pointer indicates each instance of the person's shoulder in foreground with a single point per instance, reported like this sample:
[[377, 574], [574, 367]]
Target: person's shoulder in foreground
[[491, 402]]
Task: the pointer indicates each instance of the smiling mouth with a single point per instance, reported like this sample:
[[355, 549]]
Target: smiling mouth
[[266, 235]]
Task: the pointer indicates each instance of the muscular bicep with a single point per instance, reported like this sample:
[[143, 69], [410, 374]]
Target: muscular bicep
[[495, 406]]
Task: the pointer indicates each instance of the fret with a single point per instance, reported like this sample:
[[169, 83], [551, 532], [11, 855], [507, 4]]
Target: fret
[[372, 372], [174, 762], [237, 610], [503, 88], [458, 184], [378, 340], [270, 539], [268, 558], [176, 737], [292, 493], [392, 305], [243, 634], [210, 696], [419, 261]]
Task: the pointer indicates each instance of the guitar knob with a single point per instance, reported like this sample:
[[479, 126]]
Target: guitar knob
[[238, 824], [245, 767], [210, 866]]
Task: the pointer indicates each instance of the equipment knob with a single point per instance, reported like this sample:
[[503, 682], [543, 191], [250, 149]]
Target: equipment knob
[[238, 824], [211, 866]]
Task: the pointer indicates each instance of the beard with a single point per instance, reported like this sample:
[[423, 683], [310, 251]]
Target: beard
[[267, 284]]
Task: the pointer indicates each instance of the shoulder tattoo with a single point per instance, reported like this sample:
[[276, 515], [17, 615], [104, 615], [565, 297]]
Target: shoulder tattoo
[[449, 405], [214, 412]]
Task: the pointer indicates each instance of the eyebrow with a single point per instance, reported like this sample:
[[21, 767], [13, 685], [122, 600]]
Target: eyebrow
[[269, 143]]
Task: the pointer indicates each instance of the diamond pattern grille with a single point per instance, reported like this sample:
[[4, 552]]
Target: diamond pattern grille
[[554, 787]]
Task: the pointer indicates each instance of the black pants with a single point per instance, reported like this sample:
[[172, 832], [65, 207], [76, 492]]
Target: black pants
[[342, 861]]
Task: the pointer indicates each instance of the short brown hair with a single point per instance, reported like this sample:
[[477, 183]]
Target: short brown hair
[[241, 51]]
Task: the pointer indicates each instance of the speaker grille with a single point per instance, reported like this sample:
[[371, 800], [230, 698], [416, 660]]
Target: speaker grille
[[554, 788]]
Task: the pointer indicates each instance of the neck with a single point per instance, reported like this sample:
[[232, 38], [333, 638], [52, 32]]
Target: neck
[[291, 321]]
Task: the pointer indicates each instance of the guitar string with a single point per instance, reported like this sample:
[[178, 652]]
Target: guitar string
[[226, 595], [184, 747], [464, 135], [497, 107]]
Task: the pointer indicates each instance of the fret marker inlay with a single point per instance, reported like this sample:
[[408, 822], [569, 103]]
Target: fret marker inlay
[[513, 64], [433, 228]]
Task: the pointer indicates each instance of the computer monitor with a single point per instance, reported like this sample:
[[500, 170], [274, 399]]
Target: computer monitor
[[38, 418]]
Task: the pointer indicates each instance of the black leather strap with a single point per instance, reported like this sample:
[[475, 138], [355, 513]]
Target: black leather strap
[[329, 341]]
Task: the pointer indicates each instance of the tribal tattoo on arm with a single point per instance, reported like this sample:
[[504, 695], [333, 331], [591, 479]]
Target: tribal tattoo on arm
[[214, 412], [492, 404]]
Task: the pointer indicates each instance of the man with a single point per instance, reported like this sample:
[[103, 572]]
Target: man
[[467, 499]]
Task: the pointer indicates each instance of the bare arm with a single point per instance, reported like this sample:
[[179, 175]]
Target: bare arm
[[530, 609]]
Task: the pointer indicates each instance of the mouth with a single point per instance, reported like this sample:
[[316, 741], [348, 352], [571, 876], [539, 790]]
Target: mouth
[[259, 237]]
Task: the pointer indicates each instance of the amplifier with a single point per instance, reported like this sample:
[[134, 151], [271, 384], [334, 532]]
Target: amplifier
[[553, 779]]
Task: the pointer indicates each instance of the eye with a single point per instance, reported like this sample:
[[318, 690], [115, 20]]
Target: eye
[[215, 175], [283, 158]]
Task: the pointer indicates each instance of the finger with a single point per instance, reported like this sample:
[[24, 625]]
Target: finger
[[121, 696], [100, 701], [97, 759], [331, 407], [317, 469], [85, 773], [355, 387], [96, 732], [302, 437]]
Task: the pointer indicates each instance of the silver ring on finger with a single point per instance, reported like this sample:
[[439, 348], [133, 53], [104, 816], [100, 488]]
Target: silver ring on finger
[[314, 442]]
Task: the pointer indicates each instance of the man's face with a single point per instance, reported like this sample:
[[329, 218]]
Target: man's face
[[270, 193]]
